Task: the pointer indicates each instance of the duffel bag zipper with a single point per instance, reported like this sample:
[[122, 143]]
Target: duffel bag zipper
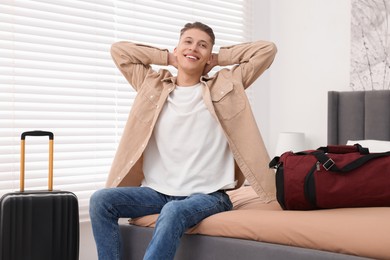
[[310, 187]]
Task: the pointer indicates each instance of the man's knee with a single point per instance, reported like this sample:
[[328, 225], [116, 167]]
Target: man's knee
[[173, 213], [172, 210], [99, 202]]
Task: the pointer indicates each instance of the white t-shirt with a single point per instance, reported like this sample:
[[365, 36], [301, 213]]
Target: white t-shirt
[[188, 152]]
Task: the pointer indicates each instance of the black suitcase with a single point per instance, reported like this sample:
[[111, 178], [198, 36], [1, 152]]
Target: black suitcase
[[39, 225]]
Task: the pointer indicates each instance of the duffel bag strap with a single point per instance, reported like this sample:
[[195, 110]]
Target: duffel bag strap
[[344, 149], [329, 164], [275, 162]]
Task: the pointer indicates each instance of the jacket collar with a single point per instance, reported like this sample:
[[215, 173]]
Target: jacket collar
[[206, 78], [173, 79]]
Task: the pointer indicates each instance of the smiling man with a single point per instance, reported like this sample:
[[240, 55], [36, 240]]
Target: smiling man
[[193, 53], [188, 139]]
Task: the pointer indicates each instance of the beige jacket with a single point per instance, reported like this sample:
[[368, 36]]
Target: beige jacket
[[223, 95]]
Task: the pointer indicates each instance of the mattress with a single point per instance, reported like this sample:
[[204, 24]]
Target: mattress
[[353, 231]]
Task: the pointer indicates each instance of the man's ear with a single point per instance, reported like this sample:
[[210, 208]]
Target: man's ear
[[210, 58], [175, 51]]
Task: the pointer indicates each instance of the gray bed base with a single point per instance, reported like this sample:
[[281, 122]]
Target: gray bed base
[[351, 116], [199, 247]]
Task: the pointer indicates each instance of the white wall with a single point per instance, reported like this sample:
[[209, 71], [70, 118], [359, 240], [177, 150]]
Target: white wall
[[87, 243], [313, 39], [260, 90]]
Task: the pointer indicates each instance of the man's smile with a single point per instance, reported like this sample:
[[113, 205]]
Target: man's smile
[[192, 57]]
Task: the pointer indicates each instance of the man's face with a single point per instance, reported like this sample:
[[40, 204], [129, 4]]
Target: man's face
[[193, 51]]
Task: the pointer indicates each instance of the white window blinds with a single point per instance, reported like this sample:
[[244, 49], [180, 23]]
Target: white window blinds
[[56, 74]]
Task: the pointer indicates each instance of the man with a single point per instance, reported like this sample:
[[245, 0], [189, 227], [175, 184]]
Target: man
[[187, 140]]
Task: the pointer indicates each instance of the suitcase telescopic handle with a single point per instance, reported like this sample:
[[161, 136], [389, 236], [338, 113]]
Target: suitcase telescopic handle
[[22, 156]]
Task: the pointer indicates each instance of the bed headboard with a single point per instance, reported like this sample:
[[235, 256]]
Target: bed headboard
[[358, 115]]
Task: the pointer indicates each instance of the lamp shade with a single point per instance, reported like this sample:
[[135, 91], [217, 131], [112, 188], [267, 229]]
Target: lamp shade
[[290, 141]]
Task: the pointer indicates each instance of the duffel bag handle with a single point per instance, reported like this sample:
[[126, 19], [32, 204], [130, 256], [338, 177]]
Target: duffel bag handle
[[344, 149], [329, 164]]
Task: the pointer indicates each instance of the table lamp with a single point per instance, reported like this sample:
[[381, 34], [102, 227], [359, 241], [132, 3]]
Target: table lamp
[[290, 141]]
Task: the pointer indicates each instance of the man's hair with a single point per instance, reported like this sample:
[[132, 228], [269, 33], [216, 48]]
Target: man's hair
[[201, 26]]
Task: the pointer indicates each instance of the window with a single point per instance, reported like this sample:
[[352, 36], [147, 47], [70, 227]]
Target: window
[[56, 74]]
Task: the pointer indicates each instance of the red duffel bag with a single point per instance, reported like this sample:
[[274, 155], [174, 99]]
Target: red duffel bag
[[332, 177]]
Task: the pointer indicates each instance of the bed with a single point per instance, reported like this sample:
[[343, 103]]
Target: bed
[[253, 230]]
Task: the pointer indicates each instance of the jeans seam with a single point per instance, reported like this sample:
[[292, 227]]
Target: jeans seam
[[117, 249], [172, 250]]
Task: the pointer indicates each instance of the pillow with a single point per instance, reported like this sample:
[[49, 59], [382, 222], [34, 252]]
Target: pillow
[[375, 146]]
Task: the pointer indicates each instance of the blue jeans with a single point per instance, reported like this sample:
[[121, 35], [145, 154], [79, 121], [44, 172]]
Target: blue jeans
[[177, 214]]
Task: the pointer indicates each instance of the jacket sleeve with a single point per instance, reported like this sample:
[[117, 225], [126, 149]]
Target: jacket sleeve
[[134, 60], [251, 59]]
